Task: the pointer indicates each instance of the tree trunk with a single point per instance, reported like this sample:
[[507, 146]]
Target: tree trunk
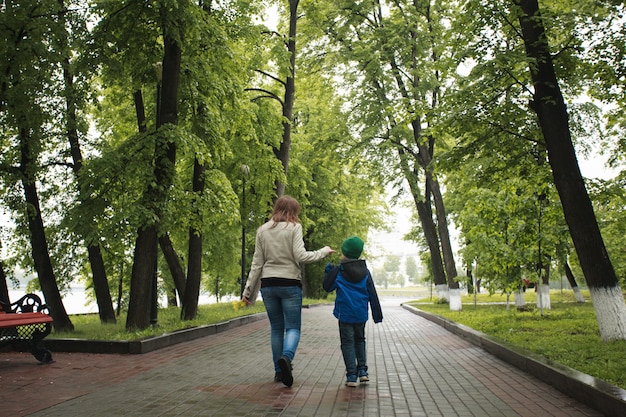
[[173, 262], [572, 282], [520, 303], [142, 275], [424, 158], [171, 297], [146, 246], [98, 271], [290, 89], [552, 115], [39, 243], [194, 261], [444, 233], [4, 288], [165, 243], [428, 226], [101, 285], [543, 288]]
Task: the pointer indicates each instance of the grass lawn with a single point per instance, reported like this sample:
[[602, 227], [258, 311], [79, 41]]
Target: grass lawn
[[567, 333], [88, 326]]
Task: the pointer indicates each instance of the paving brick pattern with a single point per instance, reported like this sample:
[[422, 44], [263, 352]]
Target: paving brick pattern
[[417, 369]]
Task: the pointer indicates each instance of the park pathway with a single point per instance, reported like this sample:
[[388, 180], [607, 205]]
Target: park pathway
[[416, 368]]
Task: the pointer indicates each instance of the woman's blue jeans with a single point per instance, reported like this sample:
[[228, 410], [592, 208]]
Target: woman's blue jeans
[[284, 310], [352, 337]]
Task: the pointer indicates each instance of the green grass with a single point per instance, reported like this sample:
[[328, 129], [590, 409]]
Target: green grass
[[567, 333], [88, 326]]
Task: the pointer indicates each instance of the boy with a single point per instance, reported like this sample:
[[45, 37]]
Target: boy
[[355, 289]]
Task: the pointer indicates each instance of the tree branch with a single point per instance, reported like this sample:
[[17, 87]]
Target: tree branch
[[278, 80], [266, 94]]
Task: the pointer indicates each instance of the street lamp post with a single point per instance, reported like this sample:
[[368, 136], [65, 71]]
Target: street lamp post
[[245, 171]]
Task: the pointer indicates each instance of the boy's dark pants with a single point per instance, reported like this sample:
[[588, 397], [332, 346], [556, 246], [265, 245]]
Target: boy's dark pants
[[353, 347]]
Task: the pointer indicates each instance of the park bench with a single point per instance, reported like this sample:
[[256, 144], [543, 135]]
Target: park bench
[[26, 322]]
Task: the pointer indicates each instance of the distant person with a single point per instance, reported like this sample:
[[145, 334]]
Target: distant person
[[278, 256], [355, 290]]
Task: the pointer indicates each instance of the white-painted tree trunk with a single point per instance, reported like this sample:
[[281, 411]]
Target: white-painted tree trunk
[[455, 300], [443, 292], [543, 296], [610, 312], [579, 297], [519, 298]]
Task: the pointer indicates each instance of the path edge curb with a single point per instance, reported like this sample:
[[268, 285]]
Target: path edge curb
[[589, 390], [148, 344]]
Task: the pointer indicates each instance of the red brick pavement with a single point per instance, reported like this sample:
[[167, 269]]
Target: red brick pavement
[[27, 387], [416, 369]]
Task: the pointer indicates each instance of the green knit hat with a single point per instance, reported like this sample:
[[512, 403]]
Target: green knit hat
[[352, 247]]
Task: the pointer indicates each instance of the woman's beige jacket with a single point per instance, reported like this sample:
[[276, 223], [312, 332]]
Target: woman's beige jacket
[[279, 252]]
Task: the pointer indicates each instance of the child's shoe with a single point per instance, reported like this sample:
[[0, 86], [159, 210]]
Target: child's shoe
[[363, 377], [351, 381]]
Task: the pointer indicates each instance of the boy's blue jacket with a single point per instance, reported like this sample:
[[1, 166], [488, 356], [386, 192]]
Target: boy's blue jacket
[[355, 289]]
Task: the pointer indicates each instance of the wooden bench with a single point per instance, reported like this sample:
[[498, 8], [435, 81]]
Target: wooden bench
[[26, 322]]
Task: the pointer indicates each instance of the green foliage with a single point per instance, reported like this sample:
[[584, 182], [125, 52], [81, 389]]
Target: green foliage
[[457, 72], [567, 333], [339, 196], [609, 200], [411, 269]]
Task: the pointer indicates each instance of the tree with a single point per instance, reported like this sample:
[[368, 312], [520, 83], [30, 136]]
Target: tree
[[497, 137], [339, 193], [285, 78], [411, 269], [73, 105], [282, 153], [552, 116], [393, 54], [26, 109]]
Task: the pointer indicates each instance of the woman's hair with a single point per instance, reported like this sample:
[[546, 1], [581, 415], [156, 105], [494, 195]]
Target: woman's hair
[[286, 209]]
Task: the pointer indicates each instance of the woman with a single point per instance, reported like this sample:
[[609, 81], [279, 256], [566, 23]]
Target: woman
[[278, 255]]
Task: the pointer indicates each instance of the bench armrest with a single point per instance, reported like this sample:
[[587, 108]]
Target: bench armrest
[[30, 303]]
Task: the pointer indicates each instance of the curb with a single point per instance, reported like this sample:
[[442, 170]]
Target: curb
[[591, 391], [149, 344]]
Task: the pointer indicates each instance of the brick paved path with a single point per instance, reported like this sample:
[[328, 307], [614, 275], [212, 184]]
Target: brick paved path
[[416, 368]]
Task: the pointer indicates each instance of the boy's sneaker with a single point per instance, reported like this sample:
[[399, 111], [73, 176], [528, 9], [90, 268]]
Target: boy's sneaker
[[363, 377], [351, 381]]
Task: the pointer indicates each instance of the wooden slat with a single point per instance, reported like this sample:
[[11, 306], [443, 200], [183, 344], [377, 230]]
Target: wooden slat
[[23, 319]]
